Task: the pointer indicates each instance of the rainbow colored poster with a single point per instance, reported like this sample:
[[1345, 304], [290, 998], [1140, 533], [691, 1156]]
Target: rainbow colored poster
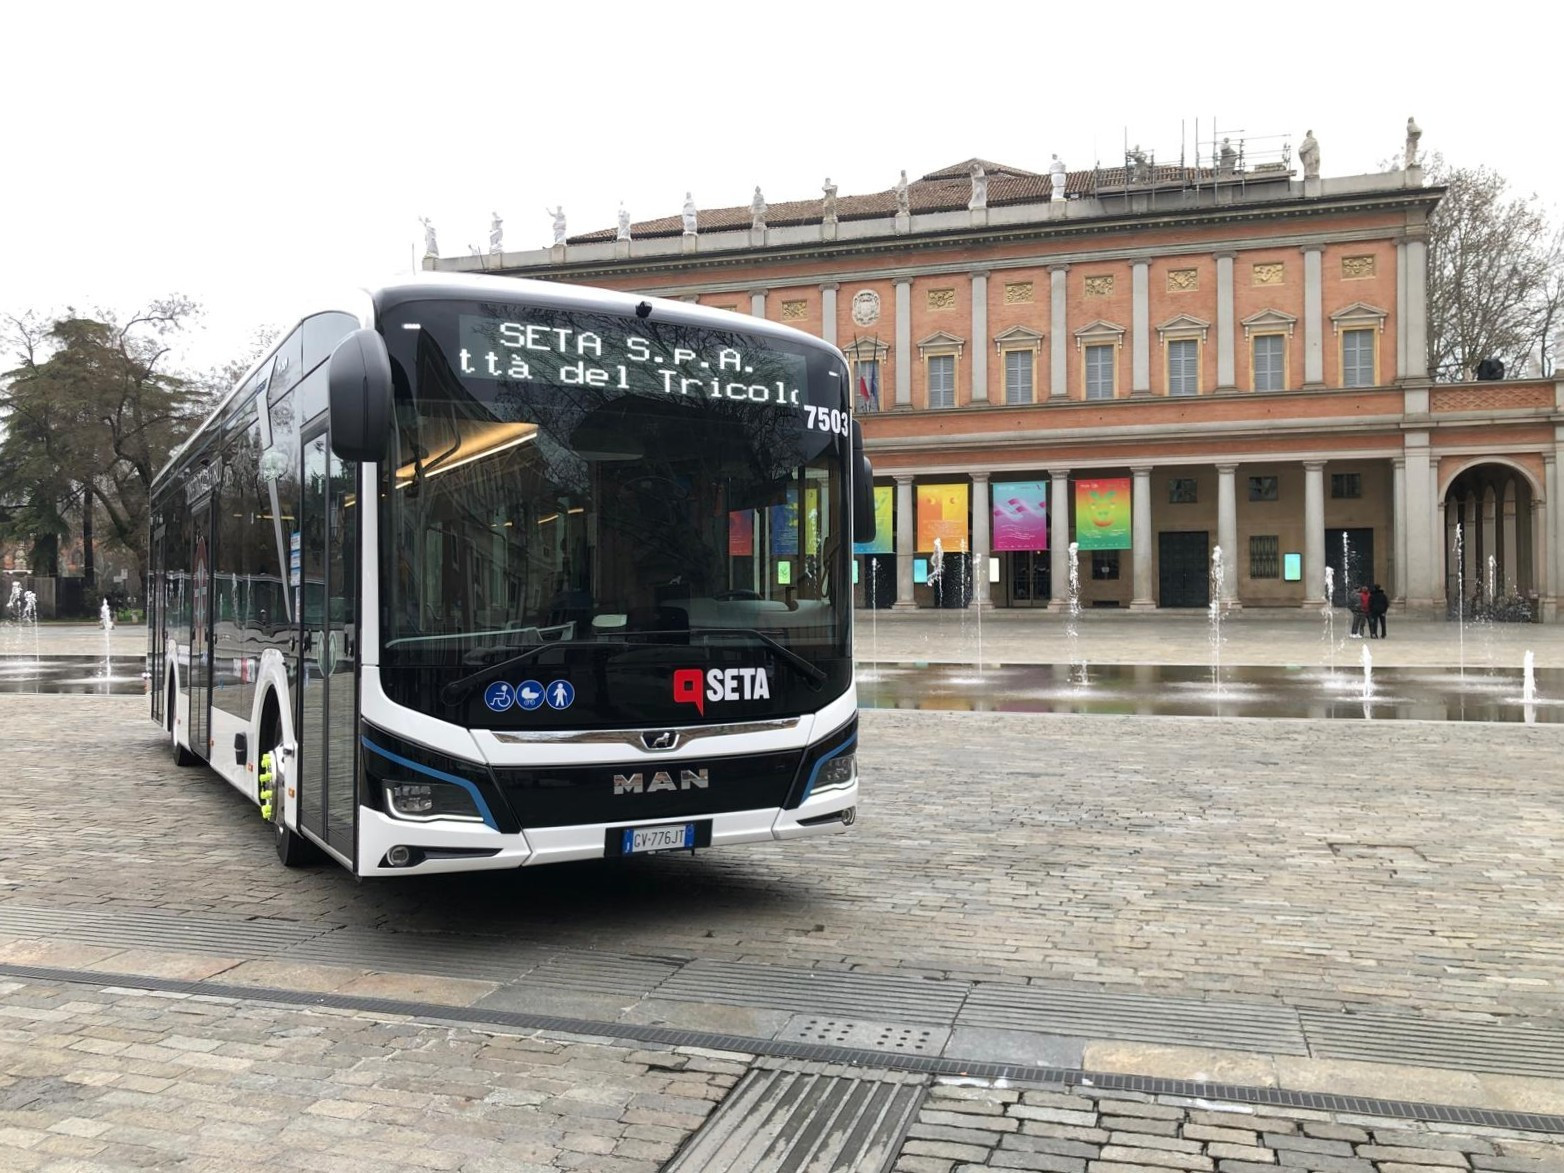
[[1102, 514], [942, 514], [884, 514], [1020, 515]]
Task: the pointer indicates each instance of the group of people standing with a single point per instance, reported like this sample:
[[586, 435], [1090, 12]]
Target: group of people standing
[[1369, 604]]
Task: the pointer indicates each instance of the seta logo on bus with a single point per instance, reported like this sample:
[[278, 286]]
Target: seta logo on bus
[[695, 686]]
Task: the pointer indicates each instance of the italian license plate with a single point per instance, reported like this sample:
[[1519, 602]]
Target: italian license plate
[[638, 840]]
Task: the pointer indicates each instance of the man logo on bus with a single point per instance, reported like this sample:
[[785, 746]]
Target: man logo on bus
[[695, 686]]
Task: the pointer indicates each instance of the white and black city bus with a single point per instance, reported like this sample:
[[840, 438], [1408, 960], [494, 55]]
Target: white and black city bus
[[482, 573]]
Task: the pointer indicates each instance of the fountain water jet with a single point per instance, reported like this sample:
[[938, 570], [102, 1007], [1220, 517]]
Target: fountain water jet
[[1329, 612], [1072, 618], [1218, 579]]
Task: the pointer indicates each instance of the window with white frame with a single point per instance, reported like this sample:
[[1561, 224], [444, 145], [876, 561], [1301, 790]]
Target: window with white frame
[[1018, 376], [1183, 367], [1099, 372], [942, 380], [1269, 355], [1357, 358]]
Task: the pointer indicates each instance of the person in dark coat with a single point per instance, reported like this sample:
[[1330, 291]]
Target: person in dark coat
[[1379, 603], [1358, 603]]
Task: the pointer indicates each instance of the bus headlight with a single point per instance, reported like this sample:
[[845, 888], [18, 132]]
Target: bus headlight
[[429, 800], [836, 772]]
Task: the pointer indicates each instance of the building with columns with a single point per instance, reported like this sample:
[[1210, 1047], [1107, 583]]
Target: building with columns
[[1236, 352]]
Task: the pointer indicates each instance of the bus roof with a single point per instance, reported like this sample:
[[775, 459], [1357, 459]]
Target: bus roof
[[451, 286]]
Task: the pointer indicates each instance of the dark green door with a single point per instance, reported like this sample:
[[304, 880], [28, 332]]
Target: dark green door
[[1183, 568]]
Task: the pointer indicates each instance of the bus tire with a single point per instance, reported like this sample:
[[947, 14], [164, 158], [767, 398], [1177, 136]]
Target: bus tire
[[293, 849], [182, 756]]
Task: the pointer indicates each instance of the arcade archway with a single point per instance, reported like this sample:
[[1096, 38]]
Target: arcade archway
[[1490, 543]]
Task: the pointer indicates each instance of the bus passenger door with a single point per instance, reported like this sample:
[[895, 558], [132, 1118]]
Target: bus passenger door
[[328, 684], [198, 726]]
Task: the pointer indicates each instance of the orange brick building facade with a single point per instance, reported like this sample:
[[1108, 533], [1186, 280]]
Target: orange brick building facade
[[1241, 354]]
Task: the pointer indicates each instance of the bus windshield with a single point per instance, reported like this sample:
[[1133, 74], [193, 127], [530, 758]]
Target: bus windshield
[[594, 521]]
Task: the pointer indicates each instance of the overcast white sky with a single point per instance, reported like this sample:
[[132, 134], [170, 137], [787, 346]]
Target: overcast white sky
[[241, 154]]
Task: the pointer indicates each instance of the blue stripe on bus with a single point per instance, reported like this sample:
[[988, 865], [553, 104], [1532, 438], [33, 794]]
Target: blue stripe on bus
[[815, 773], [477, 798]]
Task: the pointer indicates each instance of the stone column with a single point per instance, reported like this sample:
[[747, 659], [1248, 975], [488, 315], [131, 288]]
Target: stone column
[[1140, 318], [1141, 598], [980, 518], [904, 343], [905, 538], [1313, 319], [1425, 528], [1058, 338], [1438, 545], [1313, 534], [1550, 540], [1227, 531], [828, 312], [1059, 539], [1226, 378], [1417, 309], [980, 336], [1398, 537], [757, 303]]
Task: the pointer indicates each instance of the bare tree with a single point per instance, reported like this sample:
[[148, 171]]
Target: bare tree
[[1494, 274]]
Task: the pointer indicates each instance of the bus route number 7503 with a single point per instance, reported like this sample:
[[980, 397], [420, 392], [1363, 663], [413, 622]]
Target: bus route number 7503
[[833, 421]]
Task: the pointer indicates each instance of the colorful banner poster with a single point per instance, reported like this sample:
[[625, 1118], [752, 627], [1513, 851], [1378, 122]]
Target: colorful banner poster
[[741, 532], [1102, 514], [942, 515], [784, 525], [884, 531], [1020, 515]]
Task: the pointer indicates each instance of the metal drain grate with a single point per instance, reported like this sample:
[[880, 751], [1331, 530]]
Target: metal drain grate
[[796, 1116], [865, 1036]]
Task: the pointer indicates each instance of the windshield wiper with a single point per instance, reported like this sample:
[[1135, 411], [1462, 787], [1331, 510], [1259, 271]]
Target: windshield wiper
[[815, 674], [457, 689]]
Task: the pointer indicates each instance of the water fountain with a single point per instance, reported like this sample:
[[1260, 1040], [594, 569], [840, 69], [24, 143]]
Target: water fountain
[[1218, 579], [1368, 673], [1529, 679], [1329, 612], [106, 621], [1072, 620], [1460, 598]]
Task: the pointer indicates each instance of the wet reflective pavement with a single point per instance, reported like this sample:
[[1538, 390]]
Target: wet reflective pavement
[[104, 675], [1422, 694], [1189, 690]]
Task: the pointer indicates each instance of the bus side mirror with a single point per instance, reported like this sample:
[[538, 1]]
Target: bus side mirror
[[358, 380], [863, 490]]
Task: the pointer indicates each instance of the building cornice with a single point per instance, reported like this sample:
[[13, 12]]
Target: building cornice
[[660, 261]]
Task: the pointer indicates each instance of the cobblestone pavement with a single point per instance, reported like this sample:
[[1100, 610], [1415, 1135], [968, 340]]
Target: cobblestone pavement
[[1404, 868], [117, 1079], [111, 1079]]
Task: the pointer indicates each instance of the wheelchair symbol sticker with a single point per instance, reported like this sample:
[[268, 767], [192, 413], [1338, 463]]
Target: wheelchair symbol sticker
[[561, 695], [498, 696]]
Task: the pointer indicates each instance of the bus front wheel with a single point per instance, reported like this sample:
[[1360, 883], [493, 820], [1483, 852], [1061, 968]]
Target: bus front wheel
[[182, 756], [293, 850]]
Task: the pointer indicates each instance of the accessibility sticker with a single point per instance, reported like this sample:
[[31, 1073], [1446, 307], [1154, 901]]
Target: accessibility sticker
[[498, 696], [529, 695], [560, 694]]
